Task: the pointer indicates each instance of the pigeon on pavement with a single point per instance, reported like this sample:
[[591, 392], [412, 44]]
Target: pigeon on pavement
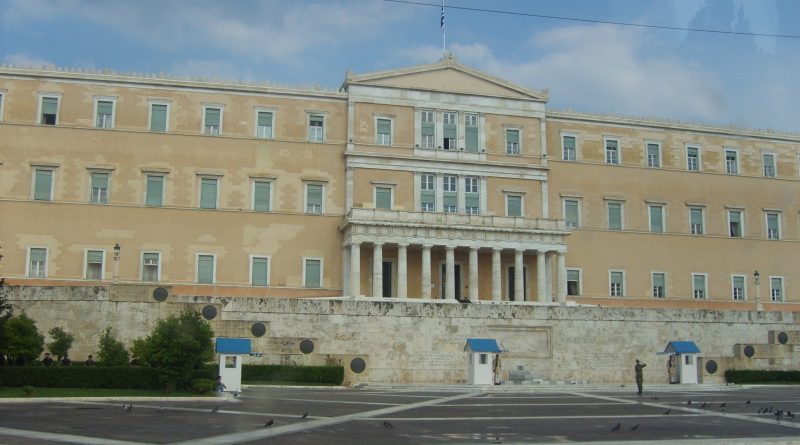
[[386, 424], [616, 427], [269, 423], [635, 427], [214, 409], [305, 414]]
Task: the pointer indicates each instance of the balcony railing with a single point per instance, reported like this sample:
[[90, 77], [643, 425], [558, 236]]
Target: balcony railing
[[440, 219]]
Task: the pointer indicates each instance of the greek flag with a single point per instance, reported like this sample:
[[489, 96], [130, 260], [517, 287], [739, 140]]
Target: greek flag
[[441, 24]]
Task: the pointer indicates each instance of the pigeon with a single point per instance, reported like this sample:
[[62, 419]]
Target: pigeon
[[124, 406], [666, 413], [161, 409], [304, 415], [129, 408], [704, 405], [689, 402], [789, 415], [747, 402], [388, 425], [616, 427], [269, 423], [722, 405], [635, 427], [214, 409], [236, 394]]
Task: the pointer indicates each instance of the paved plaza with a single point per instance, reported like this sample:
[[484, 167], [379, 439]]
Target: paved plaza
[[560, 414]]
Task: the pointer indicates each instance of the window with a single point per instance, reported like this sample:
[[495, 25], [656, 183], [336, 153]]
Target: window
[[99, 188], [450, 193], [262, 196], [259, 271], [449, 130], [383, 197], [735, 224], [614, 215], [699, 286], [159, 118], [43, 184], [573, 282], [569, 148], [731, 162], [94, 264], [513, 205], [428, 128], [512, 142], [696, 220], [612, 151], [212, 121], [769, 165], [773, 225], [738, 287], [693, 158], [37, 262], [151, 266], [384, 131], [206, 268], [154, 193], [49, 110], [312, 273], [427, 193], [208, 193], [654, 154], [316, 128], [2, 102], [659, 280], [472, 200], [776, 288], [314, 199], [104, 117], [616, 283], [572, 213], [264, 124], [471, 132], [656, 218]]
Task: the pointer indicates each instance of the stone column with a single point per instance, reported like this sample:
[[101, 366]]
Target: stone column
[[541, 276], [426, 272], [402, 271], [519, 276], [496, 289], [473, 274], [346, 271], [548, 272], [377, 270], [355, 269], [562, 278], [450, 267]]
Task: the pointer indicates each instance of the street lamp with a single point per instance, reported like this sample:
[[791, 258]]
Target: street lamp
[[117, 249], [757, 280]]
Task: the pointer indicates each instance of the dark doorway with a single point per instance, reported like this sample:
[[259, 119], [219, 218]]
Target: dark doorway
[[387, 279], [511, 286], [457, 273]]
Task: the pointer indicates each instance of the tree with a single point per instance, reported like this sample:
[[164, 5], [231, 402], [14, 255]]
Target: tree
[[178, 343], [61, 344], [23, 341], [6, 312], [111, 352]]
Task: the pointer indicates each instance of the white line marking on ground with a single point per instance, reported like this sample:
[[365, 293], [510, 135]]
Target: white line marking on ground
[[533, 404], [610, 416], [351, 402], [64, 438]]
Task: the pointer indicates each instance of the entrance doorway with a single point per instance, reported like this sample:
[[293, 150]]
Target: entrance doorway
[[457, 273], [511, 286], [388, 279]]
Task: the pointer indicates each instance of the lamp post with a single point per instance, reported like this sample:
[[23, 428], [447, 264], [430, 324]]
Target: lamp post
[[116, 262], [757, 280]]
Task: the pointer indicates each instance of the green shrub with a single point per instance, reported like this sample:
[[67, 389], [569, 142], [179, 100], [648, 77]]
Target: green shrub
[[29, 391], [202, 386], [23, 343], [127, 377], [62, 342], [332, 375], [761, 376], [111, 352]]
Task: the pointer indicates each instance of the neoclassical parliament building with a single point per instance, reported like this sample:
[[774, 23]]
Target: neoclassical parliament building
[[434, 182]]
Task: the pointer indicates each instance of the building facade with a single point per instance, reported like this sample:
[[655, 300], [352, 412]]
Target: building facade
[[435, 182]]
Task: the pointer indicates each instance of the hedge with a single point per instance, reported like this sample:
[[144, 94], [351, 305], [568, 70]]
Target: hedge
[[315, 375], [760, 376], [123, 377]]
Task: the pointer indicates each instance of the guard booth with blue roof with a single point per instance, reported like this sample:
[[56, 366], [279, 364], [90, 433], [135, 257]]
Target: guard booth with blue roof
[[480, 358], [682, 364], [231, 351]]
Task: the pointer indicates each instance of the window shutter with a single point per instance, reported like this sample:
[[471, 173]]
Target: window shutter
[[155, 191], [383, 198], [99, 180], [514, 205], [44, 185], [652, 149], [697, 216], [738, 282], [611, 145], [208, 193], [39, 255], [656, 219], [384, 126], [614, 216], [94, 256], [260, 266], [700, 283], [772, 222], [735, 217], [472, 200], [569, 142], [205, 269], [261, 196], [449, 131], [573, 275], [264, 119], [428, 128], [104, 107], [776, 284], [150, 258], [658, 280], [571, 211], [312, 273], [49, 105], [212, 117], [314, 195], [315, 121], [512, 136], [158, 118]]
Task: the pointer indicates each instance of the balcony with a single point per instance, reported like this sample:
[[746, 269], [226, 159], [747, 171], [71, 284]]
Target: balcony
[[453, 221]]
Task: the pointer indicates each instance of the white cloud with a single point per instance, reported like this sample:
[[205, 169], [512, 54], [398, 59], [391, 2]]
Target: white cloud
[[27, 60]]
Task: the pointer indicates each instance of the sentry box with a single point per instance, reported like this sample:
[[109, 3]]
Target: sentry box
[[231, 351]]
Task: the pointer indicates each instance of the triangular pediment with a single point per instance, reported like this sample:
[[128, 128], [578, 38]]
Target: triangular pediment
[[447, 76]]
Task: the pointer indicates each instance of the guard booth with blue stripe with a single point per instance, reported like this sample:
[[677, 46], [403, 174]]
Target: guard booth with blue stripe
[[481, 352], [682, 361], [231, 351]]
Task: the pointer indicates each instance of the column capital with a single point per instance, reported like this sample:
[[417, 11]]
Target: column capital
[[355, 243], [497, 249], [427, 246], [449, 248], [474, 249], [519, 250], [378, 243], [560, 253], [402, 245]]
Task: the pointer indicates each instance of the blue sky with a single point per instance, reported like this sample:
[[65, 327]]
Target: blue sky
[[720, 79]]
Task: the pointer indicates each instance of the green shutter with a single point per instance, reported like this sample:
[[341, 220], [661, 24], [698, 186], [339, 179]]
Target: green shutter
[[738, 282], [697, 216], [571, 212], [104, 107], [158, 118], [776, 284], [652, 149], [449, 131], [471, 138], [383, 198], [261, 196], [94, 256], [205, 269], [260, 267], [208, 193], [700, 283], [614, 216], [616, 278], [49, 105], [512, 136], [155, 191], [316, 121], [38, 254], [658, 280], [656, 219], [314, 195], [43, 185], [573, 275], [428, 197], [384, 126], [151, 258], [514, 204], [569, 142], [313, 273], [264, 119], [472, 200], [212, 117], [99, 180], [735, 217], [429, 128]]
